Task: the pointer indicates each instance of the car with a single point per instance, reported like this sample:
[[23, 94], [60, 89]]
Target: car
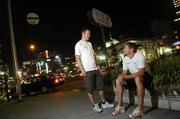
[[35, 84], [176, 52]]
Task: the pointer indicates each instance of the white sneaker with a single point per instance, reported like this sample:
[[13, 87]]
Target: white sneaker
[[107, 105], [118, 109], [136, 113], [96, 108]]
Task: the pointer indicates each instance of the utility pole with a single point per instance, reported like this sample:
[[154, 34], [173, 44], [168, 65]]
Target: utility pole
[[14, 54]]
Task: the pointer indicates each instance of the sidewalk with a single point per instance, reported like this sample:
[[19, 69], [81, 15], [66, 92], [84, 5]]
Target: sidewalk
[[163, 102], [69, 105]]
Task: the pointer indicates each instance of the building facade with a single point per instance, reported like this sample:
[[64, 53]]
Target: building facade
[[176, 5]]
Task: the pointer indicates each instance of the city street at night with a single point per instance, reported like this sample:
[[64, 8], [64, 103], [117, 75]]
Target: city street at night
[[129, 50], [69, 102]]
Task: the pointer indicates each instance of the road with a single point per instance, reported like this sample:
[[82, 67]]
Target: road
[[69, 102]]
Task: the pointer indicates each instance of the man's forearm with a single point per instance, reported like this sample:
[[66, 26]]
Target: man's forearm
[[78, 60], [81, 67], [137, 74]]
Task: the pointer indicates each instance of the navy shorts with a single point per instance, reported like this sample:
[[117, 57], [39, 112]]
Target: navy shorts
[[94, 80], [147, 80]]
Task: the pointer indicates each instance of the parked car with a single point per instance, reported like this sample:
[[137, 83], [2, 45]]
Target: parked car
[[57, 80], [41, 84], [3, 89]]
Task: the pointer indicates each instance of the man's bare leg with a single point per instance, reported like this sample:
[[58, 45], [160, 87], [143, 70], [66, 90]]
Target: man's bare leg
[[140, 92], [101, 94], [91, 97], [119, 91]]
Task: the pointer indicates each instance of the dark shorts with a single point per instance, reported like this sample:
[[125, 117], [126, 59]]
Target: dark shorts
[[147, 80], [94, 80]]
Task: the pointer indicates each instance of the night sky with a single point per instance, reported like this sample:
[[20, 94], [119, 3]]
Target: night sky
[[61, 21]]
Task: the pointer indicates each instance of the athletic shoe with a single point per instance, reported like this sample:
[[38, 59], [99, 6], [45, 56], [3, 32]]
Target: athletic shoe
[[96, 108], [107, 105]]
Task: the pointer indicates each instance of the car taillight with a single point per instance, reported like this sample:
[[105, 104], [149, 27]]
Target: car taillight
[[61, 79], [56, 81]]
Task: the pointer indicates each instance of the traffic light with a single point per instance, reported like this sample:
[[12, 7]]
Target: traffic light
[[42, 63]]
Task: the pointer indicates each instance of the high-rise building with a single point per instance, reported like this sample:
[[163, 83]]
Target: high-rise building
[[1, 62], [176, 4], [161, 27]]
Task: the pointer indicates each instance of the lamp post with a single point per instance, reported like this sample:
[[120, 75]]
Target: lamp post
[[32, 48], [14, 54]]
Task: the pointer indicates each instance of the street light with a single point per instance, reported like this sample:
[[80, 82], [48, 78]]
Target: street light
[[32, 47]]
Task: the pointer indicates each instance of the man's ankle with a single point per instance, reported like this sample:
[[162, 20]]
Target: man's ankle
[[103, 102], [140, 108]]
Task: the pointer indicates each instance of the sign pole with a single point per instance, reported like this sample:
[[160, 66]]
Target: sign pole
[[104, 44], [103, 20]]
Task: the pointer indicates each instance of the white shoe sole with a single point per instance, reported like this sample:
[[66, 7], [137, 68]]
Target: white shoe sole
[[134, 117]]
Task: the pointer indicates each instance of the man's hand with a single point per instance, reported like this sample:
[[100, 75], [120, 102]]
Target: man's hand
[[121, 79], [83, 73], [103, 72]]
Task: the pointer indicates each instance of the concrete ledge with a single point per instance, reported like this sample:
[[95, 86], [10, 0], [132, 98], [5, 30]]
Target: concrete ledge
[[164, 102]]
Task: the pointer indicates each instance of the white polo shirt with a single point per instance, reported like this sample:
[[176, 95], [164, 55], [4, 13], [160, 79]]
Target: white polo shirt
[[86, 53], [138, 61]]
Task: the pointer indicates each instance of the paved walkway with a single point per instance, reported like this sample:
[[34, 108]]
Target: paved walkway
[[69, 105]]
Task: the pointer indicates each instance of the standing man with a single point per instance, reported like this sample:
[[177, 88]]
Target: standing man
[[135, 64], [86, 60]]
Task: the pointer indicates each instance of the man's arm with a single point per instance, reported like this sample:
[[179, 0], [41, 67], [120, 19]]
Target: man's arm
[[139, 73], [124, 73], [122, 76], [95, 59], [78, 60]]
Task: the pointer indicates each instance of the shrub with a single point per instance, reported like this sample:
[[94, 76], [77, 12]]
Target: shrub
[[113, 73], [166, 72]]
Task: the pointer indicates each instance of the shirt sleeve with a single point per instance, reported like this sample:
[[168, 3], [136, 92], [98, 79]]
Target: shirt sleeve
[[77, 50], [125, 67], [141, 61], [92, 47]]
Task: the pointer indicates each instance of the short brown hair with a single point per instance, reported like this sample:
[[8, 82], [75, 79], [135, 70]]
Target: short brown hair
[[85, 28], [134, 46]]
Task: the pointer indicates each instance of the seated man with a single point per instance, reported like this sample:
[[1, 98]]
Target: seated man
[[135, 63]]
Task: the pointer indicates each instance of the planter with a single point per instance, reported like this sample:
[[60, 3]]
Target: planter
[[168, 90], [169, 96]]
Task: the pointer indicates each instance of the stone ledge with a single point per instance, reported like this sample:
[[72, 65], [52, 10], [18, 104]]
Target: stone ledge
[[164, 102]]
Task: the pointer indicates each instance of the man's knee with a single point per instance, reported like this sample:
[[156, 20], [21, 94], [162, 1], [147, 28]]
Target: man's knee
[[138, 80], [119, 81], [90, 91]]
